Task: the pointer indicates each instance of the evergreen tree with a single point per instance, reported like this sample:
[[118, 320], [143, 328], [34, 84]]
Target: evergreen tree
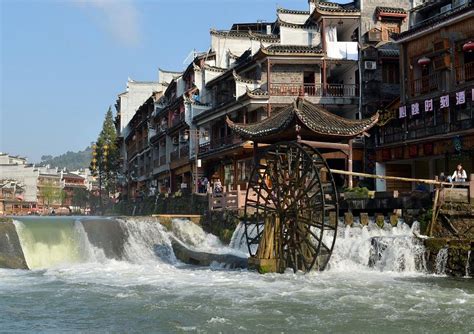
[[106, 155]]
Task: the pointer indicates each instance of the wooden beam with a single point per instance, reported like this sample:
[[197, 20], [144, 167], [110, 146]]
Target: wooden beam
[[318, 144], [396, 178]]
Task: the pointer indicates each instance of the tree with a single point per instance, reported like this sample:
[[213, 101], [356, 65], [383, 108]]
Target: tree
[[80, 197], [51, 194], [105, 161]]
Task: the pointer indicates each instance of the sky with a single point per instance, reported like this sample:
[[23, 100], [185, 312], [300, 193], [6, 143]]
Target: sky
[[62, 63]]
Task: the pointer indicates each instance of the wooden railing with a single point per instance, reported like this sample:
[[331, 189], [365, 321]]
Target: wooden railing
[[425, 84], [227, 200], [465, 72], [330, 90]]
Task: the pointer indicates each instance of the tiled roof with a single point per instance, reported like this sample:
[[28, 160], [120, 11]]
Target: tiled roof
[[335, 7], [292, 11], [316, 119], [391, 10], [430, 23], [295, 25], [245, 34], [393, 53], [293, 49]]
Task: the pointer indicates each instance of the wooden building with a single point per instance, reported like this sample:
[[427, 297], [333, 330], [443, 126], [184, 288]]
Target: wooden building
[[432, 128]]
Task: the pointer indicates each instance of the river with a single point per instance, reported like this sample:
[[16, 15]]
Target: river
[[75, 286]]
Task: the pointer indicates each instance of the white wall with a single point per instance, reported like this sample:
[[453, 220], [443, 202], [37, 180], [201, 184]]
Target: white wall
[[293, 18], [299, 36], [28, 175]]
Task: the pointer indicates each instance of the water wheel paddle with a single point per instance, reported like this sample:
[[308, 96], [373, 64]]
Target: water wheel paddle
[[292, 181]]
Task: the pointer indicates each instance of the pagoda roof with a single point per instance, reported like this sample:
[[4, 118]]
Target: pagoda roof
[[313, 121]]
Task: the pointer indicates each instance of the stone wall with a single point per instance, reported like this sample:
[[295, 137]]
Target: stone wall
[[185, 204], [11, 253]]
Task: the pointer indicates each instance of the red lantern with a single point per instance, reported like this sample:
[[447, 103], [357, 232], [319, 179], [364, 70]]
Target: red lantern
[[468, 47], [424, 61]]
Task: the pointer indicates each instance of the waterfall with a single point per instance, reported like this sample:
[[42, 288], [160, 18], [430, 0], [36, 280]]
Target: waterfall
[[55, 242], [441, 261], [146, 240], [238, 240], [467, 263]]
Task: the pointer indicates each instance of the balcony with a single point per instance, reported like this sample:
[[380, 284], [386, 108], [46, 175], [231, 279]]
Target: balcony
[[177, 119], [219, 143], [162, 160], [174, 155], [465, 72], [423, 130], [425, 84], [184, 151], [330, 90]]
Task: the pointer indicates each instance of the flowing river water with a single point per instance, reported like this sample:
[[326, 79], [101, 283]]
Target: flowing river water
[[84, 279]]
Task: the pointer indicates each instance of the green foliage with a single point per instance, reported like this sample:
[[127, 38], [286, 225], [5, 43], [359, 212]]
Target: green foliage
[[80, 197], [356, 192], [106, 155], [69, 160], [425, 220], [51, 194]]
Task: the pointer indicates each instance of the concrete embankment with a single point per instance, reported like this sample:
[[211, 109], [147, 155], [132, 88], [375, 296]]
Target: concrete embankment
[[11, 254]]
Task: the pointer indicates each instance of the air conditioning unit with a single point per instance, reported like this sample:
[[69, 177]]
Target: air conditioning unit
[[370, 65], [445, 9], [375, 35]]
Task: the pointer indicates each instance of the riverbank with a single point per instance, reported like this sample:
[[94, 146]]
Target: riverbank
[[140, 286]]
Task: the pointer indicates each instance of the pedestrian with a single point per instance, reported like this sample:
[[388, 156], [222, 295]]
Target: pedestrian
[[205, 184], [218, 187], [459, 174]]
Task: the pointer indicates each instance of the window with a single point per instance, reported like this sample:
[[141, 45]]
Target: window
[[390, 73]]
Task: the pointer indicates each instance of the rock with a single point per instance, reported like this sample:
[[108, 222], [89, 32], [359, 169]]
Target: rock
[[11, 253], [189, 256], [106, 234]]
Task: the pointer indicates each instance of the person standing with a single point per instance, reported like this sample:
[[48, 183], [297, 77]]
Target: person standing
[[459, 174]]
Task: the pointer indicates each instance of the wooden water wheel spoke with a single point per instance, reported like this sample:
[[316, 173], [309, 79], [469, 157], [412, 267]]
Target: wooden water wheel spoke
[[289, 190], [318, 239]]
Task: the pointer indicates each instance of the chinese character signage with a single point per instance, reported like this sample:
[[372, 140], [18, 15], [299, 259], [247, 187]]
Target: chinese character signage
[[429, 105], [402, 112], [460, 97], [415, 109], [444, 101]]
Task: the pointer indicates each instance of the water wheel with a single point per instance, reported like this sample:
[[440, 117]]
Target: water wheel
[[292, 191]]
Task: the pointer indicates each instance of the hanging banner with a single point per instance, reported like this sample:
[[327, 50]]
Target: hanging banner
[[460, 97], [402, 112], [429, 105], [444, 101], [415, 109]]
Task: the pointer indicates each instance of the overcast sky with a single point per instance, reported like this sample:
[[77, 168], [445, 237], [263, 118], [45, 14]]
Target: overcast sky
[[64, 62]]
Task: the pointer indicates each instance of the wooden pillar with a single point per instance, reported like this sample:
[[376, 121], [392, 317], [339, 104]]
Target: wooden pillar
[[349, 165], [255, 149], [323, 42], [471, 190]]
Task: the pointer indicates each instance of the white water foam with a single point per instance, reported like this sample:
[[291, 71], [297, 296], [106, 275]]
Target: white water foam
[[58, 244], [390, 248], [441, 261], [146, 241], [238, 241]]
